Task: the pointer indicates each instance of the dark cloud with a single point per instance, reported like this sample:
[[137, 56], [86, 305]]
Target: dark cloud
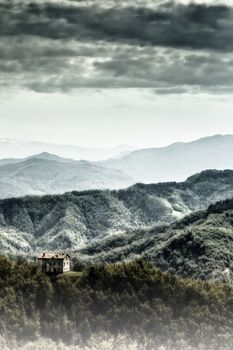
[[63, 46], [169, 68], [171, 25]]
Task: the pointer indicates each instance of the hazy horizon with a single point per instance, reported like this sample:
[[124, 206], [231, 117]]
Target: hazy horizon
[[98, 74], [14, 141]]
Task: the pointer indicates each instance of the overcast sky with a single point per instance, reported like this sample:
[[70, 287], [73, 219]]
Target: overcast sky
[[107, 72]]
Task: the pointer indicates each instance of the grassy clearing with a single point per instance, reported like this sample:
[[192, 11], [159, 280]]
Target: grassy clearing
[[72, 274]]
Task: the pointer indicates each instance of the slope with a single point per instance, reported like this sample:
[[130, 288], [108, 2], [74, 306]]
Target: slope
[[73, 220], [198, 246], [11, 148], [177, 161], [46, 173]]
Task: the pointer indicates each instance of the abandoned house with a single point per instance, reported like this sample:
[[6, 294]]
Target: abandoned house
[[54, 263]]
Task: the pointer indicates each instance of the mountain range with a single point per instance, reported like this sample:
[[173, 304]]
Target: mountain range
[[95, 211], [47, 173], [177, 161], [10, 148], [98, 226], [199, 246]]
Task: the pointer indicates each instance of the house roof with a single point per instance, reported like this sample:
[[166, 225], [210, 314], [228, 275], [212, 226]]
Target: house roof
[[49, 255]]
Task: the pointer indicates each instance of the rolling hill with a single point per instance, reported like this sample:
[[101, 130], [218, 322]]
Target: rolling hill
[[199, 246], [177, 161], [48, 174], [74, 221]]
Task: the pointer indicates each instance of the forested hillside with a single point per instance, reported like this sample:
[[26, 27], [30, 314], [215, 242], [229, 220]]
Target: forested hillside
[[72, 220], [199, 246], [133, 302]]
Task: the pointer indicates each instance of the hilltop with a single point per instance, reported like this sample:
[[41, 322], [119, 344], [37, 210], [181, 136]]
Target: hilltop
[[73, 220], [47, 173]]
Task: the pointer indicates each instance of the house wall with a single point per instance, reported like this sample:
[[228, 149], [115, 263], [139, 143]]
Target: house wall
[[66, 264], [54, 265]]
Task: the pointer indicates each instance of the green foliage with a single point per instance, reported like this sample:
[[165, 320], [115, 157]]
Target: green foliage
[[131, 298], [23, 292], [75, 219], [198, 246]]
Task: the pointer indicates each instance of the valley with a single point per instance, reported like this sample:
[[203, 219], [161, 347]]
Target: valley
[[174, 225]]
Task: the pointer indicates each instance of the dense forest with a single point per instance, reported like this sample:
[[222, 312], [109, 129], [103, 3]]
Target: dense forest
[[142, 279], [133, 302], [73, 220], [198, 246]]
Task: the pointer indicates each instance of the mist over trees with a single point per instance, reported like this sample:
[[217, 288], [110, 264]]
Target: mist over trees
[[133, 302]]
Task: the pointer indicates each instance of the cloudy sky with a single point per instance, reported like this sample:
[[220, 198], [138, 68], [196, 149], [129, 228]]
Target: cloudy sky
[[106, 72]]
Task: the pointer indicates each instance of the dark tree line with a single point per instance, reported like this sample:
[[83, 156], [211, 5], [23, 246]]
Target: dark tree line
[[132, 298]]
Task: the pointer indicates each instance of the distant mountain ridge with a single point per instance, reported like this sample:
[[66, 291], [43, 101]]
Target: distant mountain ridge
[[50, 174], [42, 155], [74, 220], [177, 161], [10, 148], [43, 173]]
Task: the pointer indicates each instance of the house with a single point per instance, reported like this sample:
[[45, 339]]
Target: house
[[54, 263]]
